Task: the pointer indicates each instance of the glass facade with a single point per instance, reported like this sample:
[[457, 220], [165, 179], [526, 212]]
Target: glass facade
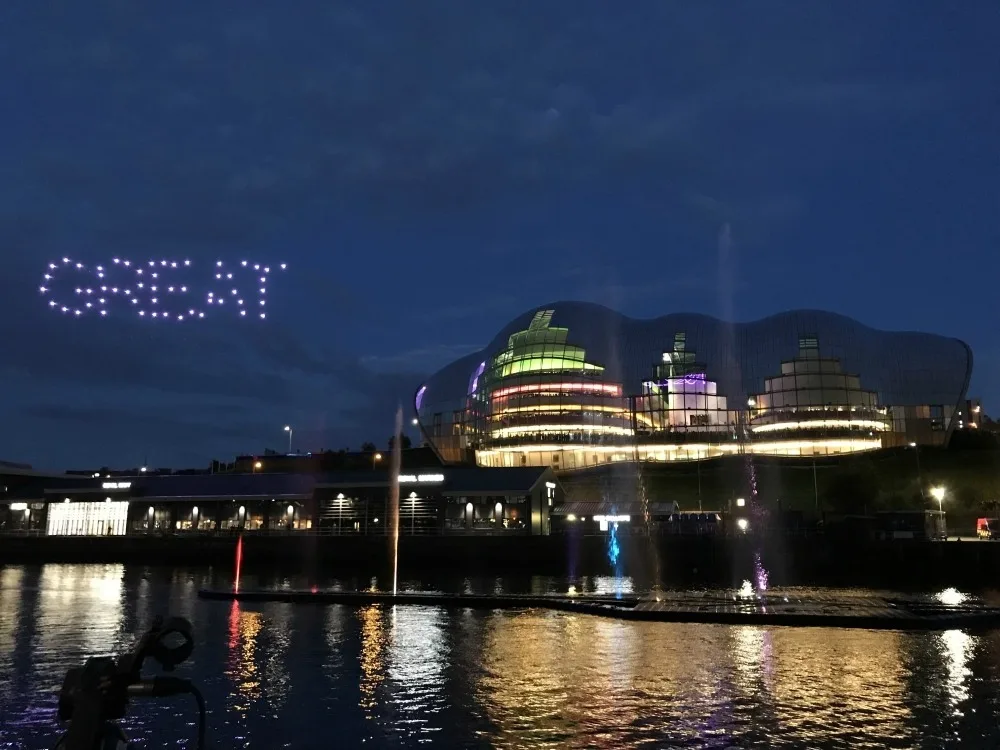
[[574, 385]]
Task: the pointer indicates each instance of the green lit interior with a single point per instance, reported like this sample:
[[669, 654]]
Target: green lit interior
[[540, 348]]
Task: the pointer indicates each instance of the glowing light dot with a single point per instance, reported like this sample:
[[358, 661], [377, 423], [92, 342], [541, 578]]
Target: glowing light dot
[[267, 269], [153, 300], [154, 315], [104, 312], [79, 265], [52, 266], [65, 260], [221, 301], [184, 288], [116, 260], [139, 271], [239, 302], [173, 265], [114, 290], [152, 263], [201, 315], [284, 266], [152, 288], [262, 316], [140, 285], [88, 305], [163, 263], [180, 317], [243, 263], [101, 300], [104, 289], [243, 313], [128, 263], [187, 263], [78, 290], [156, 276], [263, 280], [219, 264], [218, 275], [235, 292], [263, 290], [128, 291], [262, 303], [77, 312], [170, 289], [65, 309], [229, 276], [90, 291], [256, 267], [42, 289], [48, 277], [190, 312], [100, 268], [52, 303], [135, 301], [100, 275], [142, 312]]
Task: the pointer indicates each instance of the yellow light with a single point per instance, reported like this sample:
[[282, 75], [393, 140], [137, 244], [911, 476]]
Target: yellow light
[[937, 493], [570, 517], [258, 465], [606, 429], [378, 456], [816, 424]]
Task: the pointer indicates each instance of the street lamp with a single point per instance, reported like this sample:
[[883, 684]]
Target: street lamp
[[288, 429], [938, 494], [257, 465], [375, 458]]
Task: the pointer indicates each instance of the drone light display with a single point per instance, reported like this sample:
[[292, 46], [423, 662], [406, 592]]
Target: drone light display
[[159, 289]]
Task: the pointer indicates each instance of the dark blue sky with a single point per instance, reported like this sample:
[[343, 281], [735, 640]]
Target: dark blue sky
[[430, 169]]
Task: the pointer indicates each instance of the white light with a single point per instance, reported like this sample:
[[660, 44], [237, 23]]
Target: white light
[[48, 277], [184, 288], [142, 313], [740, 502], [229, 276], [239, 302], [243, 510], [79, 265], [284, 266], [154, 299], [78, 290], [413, 495], [180, 317], [190, 312], [201, 315], [263, 290], [18, 506], [115, 260], [163, 263], [468, 508], [138, 272], [42, 289], [287, 428], [267, 270], [550, 485], [155, 314], [194, 511], [243, 263], [65, 309], [243, 313], [52, 303], [950, 596], [218, 275], [156, 276], [173, 265], [743, 524], [256, 266], [937, 493], [498, 508], [104, 289], [262, 303], [219, 263], [263, 280], [88, 305], [128, 263], [127, 292], [140, 285], [291, 510], [612, 519], [569, 517], [107, 499], [152, 263], [340, 495], [104, 312], [262, 316], [135, 301], [116, 485], [187, 263], [65, 260], [100, 275], [170, 289], [114, 290], [235, 292], [52, 266], [77, 312]]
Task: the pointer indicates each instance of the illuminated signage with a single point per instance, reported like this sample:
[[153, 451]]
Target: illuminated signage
[[18, 506], [423, 478], [116, 485], [550, 485], [612, 519]]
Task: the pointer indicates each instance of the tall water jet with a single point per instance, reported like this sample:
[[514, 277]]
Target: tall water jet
[[239, 564], [397, 459]]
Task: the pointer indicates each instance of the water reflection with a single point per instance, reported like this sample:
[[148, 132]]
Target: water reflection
[[242, 670], [372, 656], [400, 676], [957, 648]]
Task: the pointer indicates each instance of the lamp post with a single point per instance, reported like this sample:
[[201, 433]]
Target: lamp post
[[920, 479], [288, 429], [938, 494], [376, 457]]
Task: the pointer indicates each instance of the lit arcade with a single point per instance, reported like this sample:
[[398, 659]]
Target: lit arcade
[[573, 385]]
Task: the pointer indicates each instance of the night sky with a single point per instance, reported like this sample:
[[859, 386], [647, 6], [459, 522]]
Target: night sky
[[428, 170]]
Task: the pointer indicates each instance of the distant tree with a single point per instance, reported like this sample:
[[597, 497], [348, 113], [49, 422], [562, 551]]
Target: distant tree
[[368, 448], [405, 442], [853, 490]]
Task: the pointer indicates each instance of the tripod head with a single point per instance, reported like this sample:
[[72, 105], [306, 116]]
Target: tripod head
[[96, 695]]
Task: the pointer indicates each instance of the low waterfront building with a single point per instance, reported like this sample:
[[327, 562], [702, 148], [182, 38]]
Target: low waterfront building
[[460, 500]]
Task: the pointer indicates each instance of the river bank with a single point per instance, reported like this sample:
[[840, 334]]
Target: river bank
[[687, 561]]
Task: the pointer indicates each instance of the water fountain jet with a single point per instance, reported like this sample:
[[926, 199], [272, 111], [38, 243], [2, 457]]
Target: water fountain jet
[[397, 458]]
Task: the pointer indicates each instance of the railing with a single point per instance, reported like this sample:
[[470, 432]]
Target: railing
[[232, 534]]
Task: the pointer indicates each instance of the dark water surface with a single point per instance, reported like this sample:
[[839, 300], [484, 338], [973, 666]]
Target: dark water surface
[[281, 675]]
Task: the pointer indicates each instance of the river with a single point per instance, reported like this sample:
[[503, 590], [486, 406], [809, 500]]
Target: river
[[282, 675]]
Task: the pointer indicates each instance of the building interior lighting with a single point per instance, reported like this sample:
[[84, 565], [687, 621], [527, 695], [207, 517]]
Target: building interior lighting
[[819, 424], [606, 429], [609, 388]]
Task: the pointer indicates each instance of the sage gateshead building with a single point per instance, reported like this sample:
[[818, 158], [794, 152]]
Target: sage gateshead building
[[572, 385]]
